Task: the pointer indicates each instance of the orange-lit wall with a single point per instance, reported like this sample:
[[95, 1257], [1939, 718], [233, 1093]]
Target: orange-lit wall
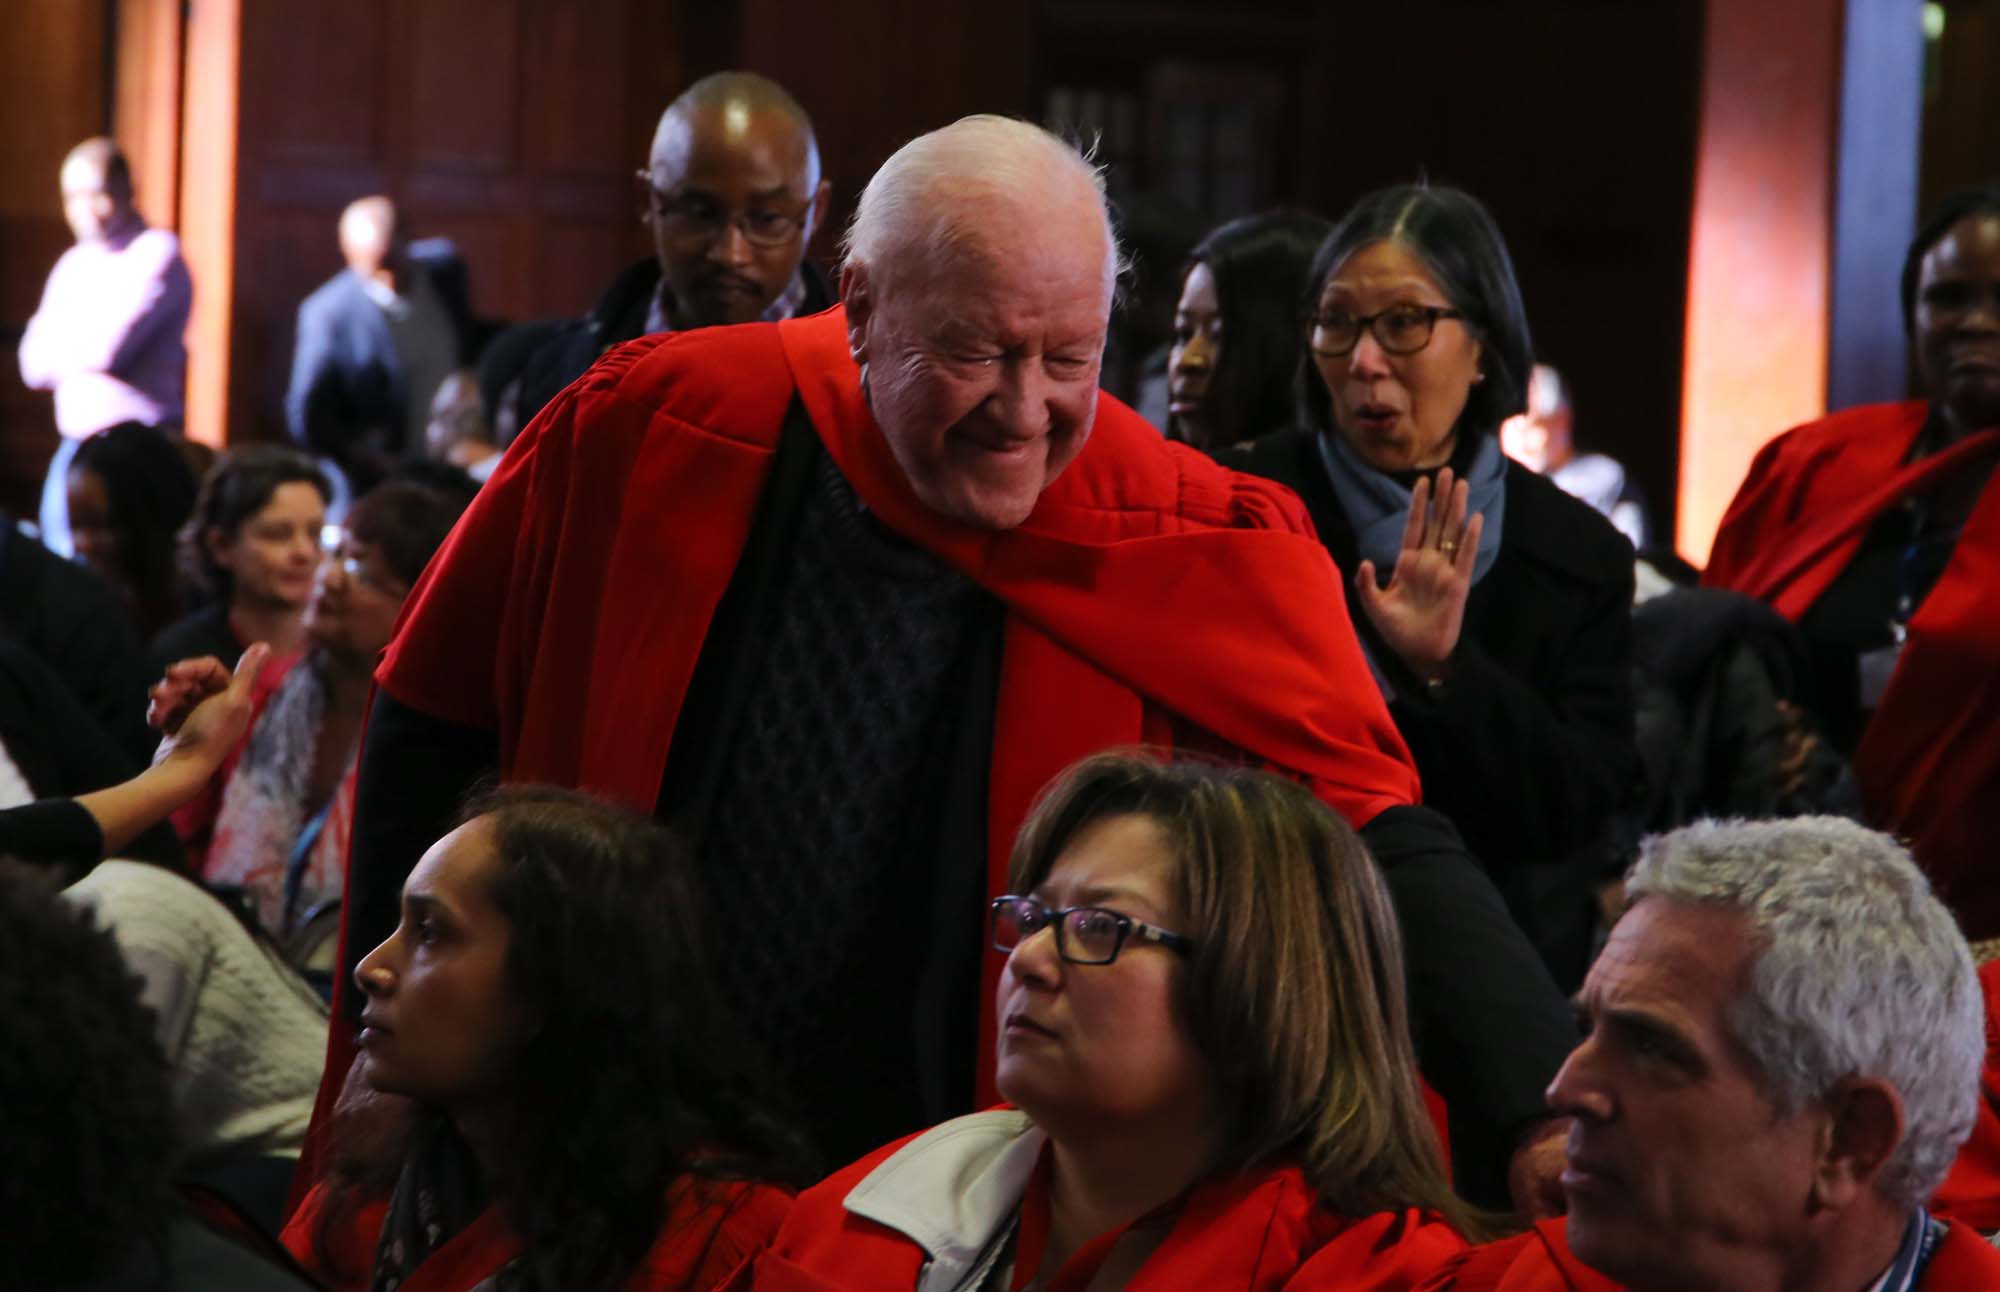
[[1760, 248]]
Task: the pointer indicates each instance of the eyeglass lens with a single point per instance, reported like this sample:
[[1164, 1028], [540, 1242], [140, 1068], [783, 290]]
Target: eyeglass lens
[[1403, 331], [1087, 935]]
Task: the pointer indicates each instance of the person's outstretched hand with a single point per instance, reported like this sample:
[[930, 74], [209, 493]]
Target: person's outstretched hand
[[204, 709], [1421, 611]]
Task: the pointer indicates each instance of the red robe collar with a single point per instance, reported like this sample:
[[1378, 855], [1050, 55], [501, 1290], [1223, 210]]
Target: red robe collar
[[568, 609], [1929, 762], [1263, 1229], [1970, 1195], [1541, 1261]]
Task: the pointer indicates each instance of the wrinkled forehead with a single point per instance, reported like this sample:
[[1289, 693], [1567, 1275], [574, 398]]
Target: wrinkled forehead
[[985, 265]]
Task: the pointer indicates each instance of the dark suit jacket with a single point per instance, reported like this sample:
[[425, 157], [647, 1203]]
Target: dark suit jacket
[[1529, 749], [347, 379], [70, 620]]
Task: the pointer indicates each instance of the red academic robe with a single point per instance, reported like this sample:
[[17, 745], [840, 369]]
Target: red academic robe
[[1261, 1231], [1541, 1261], [1152, 596], [709, 1233], [1929, 763], [1970, 1195]]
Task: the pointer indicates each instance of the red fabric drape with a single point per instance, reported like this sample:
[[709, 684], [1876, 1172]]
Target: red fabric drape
[[1929, 762]]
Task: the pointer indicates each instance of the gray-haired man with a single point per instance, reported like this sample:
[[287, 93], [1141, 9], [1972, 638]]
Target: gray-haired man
[[1784, 1038]]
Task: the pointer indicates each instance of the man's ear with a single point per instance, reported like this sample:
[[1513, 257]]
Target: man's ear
[[858, 295], [1864, 1125]]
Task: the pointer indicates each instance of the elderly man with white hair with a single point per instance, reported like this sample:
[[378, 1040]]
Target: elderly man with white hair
[[1782, 1055], [838, 596]]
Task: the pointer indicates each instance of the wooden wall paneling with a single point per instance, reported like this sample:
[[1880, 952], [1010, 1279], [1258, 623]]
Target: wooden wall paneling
[[146, 111], [462, 70], [1759, 283], [875, 76], [315, 82]]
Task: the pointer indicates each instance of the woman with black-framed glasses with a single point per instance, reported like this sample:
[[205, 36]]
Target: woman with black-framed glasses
[[1494, 608], [1204, 1038]]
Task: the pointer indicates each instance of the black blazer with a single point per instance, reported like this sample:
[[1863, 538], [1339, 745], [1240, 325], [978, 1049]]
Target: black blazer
[[1529, 749]]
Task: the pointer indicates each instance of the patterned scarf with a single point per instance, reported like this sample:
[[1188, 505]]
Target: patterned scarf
[[437, 1196], [288, 855]]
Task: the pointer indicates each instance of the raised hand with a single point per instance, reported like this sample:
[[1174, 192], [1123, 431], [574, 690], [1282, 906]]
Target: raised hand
[[1422, 610]]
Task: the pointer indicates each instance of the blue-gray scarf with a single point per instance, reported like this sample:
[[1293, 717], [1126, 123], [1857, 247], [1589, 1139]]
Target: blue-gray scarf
[[1378, 507]]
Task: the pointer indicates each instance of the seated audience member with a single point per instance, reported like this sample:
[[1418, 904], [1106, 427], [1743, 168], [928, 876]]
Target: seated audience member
[[243, 1034], [731, 194], [1235, 355], [723, 556], [581, 1116], [1542, 439], [87, 1121], [70, 620], [458, 432], [1874, 530], [1782, 1052], [107, 336], [251, 546], [1204, 1038], [1496, 610], [373, 343], [130, 492], [275, 822]]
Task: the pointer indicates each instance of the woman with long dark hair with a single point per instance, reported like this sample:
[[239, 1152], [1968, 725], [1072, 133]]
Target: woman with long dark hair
[[1204, 1037], [1235, 356], [577, 1113], [130, 491]]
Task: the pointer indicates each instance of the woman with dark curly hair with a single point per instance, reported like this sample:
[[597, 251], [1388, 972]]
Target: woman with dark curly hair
[[1236, 347], [1204, 1039], [251, 547], [579, 1113], [130, 491], [87, 1119]]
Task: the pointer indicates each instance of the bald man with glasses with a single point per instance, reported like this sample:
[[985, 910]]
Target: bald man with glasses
[[731, 193]]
